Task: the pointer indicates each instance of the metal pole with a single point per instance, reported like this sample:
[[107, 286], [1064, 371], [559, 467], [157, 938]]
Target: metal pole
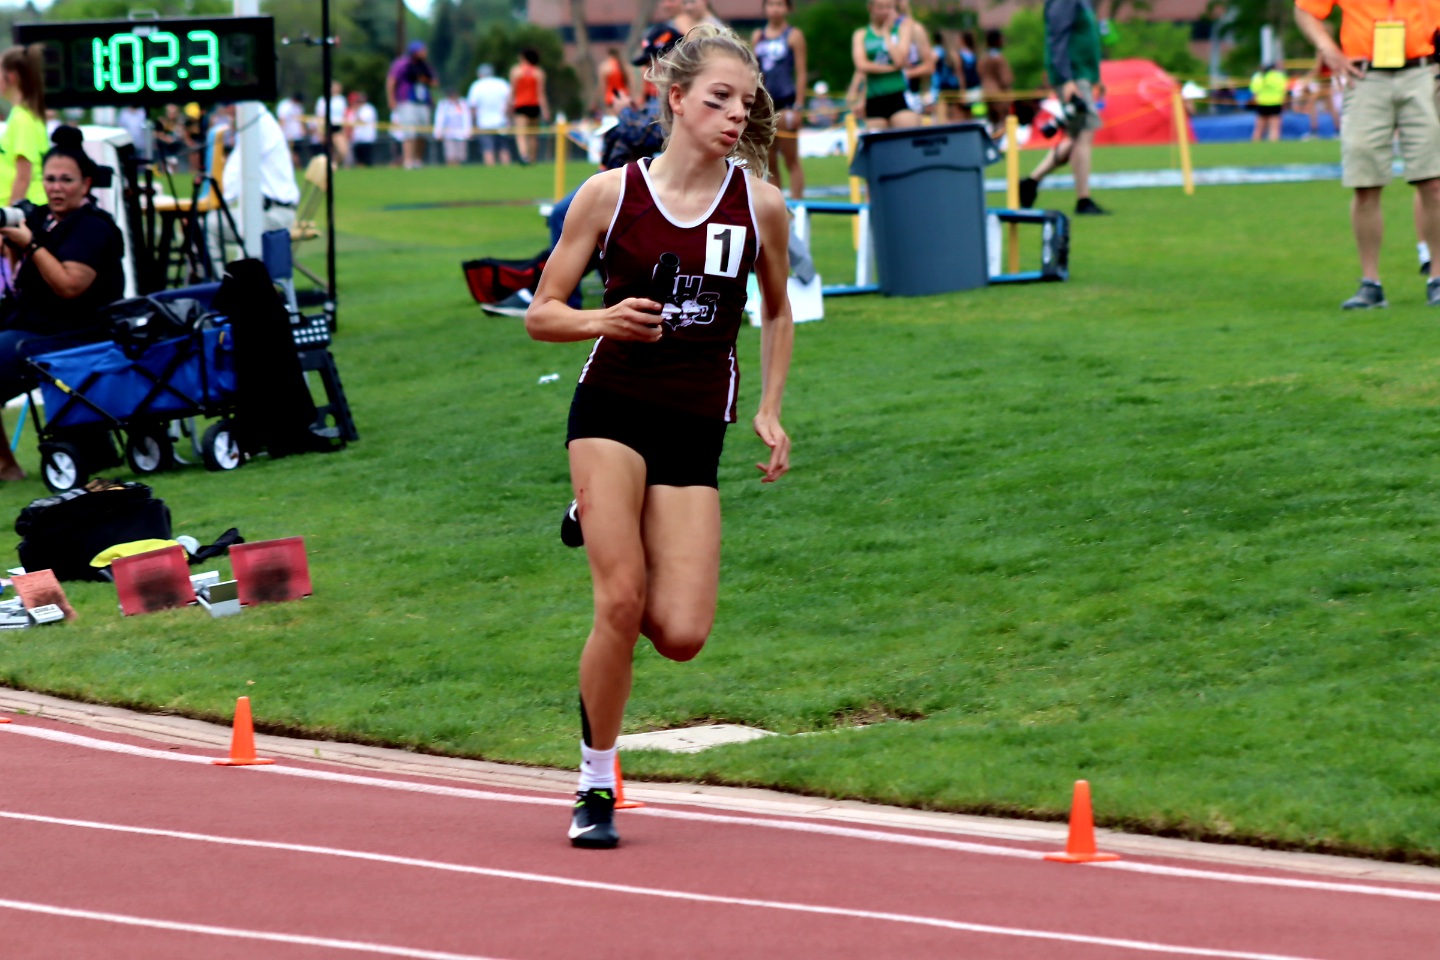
[[247, 137], [326, 70], [1012, 187]]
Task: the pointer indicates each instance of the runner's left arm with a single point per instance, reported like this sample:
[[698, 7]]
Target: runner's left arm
[[777, 324]]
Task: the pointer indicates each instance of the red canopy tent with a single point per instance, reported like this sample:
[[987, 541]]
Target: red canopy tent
[[1138, 106]]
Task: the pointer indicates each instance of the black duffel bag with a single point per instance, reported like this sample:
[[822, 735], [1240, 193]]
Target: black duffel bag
[[65, 532]]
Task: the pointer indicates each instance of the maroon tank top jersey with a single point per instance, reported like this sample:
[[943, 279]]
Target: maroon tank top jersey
[[693, 367]]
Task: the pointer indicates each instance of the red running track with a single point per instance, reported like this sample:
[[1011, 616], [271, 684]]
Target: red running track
[[155, 853]]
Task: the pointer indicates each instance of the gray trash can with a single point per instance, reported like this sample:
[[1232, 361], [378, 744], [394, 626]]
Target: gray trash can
[[927, 206]]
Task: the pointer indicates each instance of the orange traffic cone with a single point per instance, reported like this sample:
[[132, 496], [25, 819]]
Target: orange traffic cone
[[620, 802], [242, 739], [1080, 846], [4, 719]]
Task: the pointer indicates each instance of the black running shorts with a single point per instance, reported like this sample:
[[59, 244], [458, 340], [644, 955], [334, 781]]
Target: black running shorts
[[679, 449], [885, 106]]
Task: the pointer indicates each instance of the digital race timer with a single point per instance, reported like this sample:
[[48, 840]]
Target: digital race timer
[[153, 62]]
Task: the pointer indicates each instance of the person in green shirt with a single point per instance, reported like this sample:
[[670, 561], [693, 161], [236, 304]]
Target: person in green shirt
[[25, 141], [880, 50], [1268, 86], [1072, 61]]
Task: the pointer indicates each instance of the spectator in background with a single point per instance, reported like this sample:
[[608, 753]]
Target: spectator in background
[[170, 142], [279, 193], [919, 61], [337, 121], [822, 110], [614, 81], [997, 80], [969, 61], [362, 127], [25, 141], [197, 125], [291, 114], [1320, 95], [698, 11], [946, 82], [528, 103], [452, 127], [879, 50], [1268, 86], [1382, 100], [1072, 59], [780, 48], [136, 122], [489, 97], [407, 87]]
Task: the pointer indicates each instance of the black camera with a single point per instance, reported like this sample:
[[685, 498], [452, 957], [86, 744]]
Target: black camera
[[1074, 109]]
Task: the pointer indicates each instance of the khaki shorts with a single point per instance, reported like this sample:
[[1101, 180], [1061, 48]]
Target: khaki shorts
[[1377, 108], [1090, 119]]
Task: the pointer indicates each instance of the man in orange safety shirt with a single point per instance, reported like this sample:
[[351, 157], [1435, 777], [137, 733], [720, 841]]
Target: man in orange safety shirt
[[1383, 62]]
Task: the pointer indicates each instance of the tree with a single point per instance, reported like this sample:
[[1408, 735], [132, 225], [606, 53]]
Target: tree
[[501, 44], [1168, 44], [828, 25], [584, 61], [1248, 16], [120, 9]]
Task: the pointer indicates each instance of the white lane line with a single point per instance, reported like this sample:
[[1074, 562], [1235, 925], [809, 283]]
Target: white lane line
[[296, 939], [796, 826], [807, 908]]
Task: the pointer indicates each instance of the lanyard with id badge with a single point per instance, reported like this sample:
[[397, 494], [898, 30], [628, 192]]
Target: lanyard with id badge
[[1388, 50]]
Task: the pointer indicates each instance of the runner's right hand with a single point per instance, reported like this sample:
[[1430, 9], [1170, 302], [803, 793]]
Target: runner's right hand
[[634, 318]]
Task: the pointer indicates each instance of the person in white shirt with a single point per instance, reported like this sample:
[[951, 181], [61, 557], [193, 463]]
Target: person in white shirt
[[137, 123], [452, 127], [489, 97], [278, 189], [361, 128], [337, 118], [291, 114]]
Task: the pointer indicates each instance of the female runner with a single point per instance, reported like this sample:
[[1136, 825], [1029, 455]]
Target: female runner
[[677, 238], [780, 48]]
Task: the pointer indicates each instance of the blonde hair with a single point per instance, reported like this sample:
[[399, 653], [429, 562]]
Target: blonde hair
[[683, 63]]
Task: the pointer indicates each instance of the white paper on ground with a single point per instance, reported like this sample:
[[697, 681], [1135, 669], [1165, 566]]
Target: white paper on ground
[[807, 302]]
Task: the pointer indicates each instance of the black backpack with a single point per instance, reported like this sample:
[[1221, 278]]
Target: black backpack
[[65, 532]]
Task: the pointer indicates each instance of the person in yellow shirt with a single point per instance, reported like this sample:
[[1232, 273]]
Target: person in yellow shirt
[[25, 141], [1268, 86]]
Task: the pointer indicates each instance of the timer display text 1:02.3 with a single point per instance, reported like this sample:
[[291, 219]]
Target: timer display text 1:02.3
[[154, 62], [131, 62]]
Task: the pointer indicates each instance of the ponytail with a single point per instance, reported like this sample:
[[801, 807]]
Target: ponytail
[[28, 65]]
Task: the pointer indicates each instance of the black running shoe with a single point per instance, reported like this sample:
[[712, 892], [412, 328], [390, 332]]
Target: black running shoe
[[570, 533], [1086, 207], [1029, 190], [1425, 269], [593, 823]]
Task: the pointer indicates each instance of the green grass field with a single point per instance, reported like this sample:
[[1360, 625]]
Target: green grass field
[[1170, 527]]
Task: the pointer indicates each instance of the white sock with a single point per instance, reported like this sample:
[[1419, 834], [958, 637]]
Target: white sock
[[1423, 249], [597, 768]]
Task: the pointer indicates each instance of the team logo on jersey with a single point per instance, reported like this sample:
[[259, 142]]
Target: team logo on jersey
[[724, 246], [689, 305]]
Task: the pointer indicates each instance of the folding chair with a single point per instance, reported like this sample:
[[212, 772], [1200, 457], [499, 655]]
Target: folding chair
[[311, 197]]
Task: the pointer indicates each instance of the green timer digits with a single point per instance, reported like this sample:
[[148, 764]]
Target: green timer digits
[[154, 62], [130, 62]]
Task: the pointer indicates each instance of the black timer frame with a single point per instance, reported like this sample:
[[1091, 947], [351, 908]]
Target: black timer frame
[[64, 90]]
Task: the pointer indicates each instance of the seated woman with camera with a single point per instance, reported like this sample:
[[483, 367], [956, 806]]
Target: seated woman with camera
[[69, 266]]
